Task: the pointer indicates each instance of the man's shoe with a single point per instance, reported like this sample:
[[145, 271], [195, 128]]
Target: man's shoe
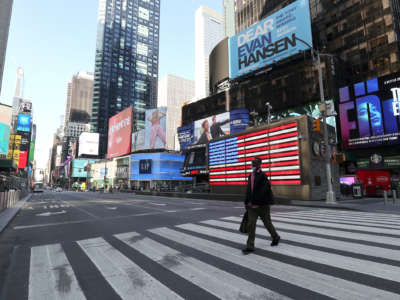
[[275, 241], [247, 250]]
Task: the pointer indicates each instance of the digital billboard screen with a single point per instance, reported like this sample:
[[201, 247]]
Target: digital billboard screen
[[202, 131], [153, 136], [79, 167], [89, 143], [278, 147], [369, 112], [4, 138], [270, 40], [24, 123], [119, 134], [23, 159]]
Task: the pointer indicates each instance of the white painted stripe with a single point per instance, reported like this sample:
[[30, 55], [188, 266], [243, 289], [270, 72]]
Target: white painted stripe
[[341, 226], [322, 242], [127, 279], [51, 275], [366, 267], [320, 283], [159, 204], [331, 218], [218, 282], [331, 232], [198, 208]]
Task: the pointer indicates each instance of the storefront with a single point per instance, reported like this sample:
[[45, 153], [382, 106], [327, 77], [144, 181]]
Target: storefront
[[157, 171]]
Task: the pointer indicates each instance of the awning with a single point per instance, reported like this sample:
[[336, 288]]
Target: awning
[[8, 164]]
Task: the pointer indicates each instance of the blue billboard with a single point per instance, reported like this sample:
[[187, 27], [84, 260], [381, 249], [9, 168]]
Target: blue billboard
[[4, 138], [24, 123], [79, 167], [159, 166], [270, 40]]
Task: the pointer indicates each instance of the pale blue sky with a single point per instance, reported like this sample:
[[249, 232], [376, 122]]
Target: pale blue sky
[[54, 39]]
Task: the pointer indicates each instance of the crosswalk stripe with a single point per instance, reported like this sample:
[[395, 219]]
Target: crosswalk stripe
[[327, 243], [340, 226], [334, 219], [51, 275], [370, 268], [317, 282], [331, 232], [340, 217], [127, 279], [373, 215], [218, 282]]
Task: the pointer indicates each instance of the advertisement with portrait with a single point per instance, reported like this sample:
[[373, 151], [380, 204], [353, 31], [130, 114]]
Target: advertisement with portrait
[[270, 40], [5, 126], [89, 143], [24, 123], [212, 127], [369, 112], [119, 134], [139, 140]]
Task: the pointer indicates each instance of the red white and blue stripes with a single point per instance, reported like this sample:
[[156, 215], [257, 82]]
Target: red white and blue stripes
[[278, 147]]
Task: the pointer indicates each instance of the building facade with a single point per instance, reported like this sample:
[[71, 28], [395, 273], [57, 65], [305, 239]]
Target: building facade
[[126, 67], [208, 32], [5, 17], [79, 98], [229, 18], [173, 92]]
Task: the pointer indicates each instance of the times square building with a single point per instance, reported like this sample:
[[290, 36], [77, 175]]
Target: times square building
[[360, 75]]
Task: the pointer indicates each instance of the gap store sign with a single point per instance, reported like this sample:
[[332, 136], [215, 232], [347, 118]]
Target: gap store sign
[[369, 112], [270, 40]]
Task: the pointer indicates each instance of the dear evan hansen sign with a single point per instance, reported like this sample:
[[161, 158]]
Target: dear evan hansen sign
[[270, 40]]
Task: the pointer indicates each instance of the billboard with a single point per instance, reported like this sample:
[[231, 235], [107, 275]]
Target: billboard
[[24, 123], [88, 143], [79, 167], [154, 134], [25, 140], [270, 40], [369, 112], [278, 147], [32, 151], [202, 131], [5, 125], [23, 159], [119, 133]]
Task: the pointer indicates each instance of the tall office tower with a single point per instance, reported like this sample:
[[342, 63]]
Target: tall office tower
[[19, 87], [208, 33], [79, 98], [229, 18], [173, 92], [126, 70], [5, 17]]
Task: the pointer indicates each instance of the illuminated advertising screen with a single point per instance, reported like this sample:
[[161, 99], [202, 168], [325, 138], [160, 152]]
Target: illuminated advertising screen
[[23, 159], [202, 131], [32, 151], [278, 147], [24, 123], [89, 143], [369, 112], [271, 39], [153, 136], [79, 167], [119, 134], [5, 127], [25, 140]]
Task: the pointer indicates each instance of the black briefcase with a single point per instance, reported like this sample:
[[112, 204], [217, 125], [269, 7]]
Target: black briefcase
[[243, 225]]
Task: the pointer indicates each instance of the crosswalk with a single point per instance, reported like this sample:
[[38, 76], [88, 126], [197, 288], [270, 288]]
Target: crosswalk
[[323, 254]]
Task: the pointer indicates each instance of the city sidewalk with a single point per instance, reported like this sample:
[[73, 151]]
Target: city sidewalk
[[363, 204], [9, 213]]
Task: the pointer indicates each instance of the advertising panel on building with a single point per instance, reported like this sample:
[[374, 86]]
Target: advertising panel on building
[[270, 40], [79, 167], [153, 136], [89, 143], [278, 147], [5, 125], [202, 131], [23, 159], [369, 112], [119, 134], [24, 123]]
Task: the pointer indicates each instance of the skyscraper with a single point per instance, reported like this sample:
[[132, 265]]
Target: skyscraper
[[229, 18], [79, 98], [5, 16], [19, 87], [208, 32], [173, 92], [126, 69]]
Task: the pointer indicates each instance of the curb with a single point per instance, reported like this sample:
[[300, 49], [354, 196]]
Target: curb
[[8, 214], [320, 206]]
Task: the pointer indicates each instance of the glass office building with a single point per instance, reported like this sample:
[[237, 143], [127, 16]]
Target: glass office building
[[126, 67]]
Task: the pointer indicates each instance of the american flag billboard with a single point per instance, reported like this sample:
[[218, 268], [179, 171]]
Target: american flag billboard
[[278, 147]]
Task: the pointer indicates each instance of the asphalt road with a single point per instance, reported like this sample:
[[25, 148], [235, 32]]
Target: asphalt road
[[120, 246]]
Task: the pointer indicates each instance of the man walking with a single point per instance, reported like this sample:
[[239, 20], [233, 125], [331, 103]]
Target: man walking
[[258, 199]]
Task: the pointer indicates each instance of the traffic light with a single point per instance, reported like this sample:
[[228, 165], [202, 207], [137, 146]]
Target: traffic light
[[317, 125]]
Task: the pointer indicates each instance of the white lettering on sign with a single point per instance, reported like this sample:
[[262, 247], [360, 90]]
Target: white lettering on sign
[[396, 101], [252, 34], [121, 124]]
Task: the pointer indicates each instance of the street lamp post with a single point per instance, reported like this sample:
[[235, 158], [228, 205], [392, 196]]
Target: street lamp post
[[330, 194]]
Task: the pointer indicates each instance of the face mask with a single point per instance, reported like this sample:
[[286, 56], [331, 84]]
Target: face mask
[[254, 169]]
